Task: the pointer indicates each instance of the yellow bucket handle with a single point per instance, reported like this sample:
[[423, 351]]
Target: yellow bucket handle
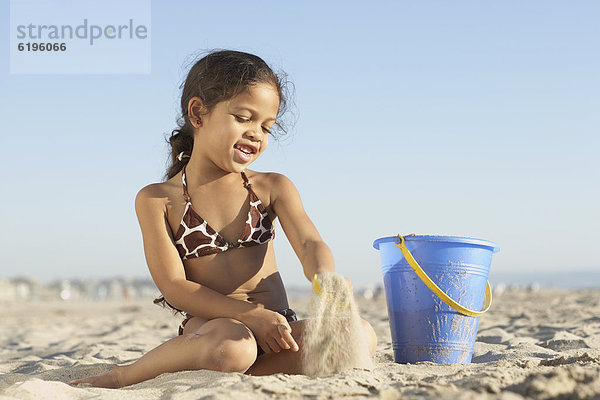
[[439, 292]]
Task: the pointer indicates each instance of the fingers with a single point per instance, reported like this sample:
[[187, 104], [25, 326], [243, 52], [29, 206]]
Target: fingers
[[272, 332], [273, 345], [265, 347], [282, 340], [286, 337], [281, 343]]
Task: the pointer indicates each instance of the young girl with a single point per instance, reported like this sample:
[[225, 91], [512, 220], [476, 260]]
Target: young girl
[[208, 231]]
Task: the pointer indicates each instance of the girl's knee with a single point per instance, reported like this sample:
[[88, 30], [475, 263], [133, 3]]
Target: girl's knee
[[234, 356], [232, 347]]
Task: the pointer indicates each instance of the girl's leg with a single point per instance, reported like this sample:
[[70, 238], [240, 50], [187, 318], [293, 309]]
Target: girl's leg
[[221, 344], [290, 362]]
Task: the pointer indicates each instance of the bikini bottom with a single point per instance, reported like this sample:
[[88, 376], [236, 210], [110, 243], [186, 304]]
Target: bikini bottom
[[288, 313]]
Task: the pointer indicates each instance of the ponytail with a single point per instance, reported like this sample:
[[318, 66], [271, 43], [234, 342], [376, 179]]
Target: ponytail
[[182, 139]]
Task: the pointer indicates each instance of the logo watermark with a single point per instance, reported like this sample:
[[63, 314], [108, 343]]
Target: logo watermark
[[33, 32], [81, 37]]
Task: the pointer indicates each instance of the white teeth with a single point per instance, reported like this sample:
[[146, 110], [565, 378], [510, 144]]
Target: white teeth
[[244, 149]]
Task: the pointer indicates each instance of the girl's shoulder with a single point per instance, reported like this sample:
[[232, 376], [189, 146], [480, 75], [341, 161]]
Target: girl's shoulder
[[265, 178], [159, 194], [271, 183]]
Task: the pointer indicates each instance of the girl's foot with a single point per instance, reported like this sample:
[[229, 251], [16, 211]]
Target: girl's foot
[[108, 380]]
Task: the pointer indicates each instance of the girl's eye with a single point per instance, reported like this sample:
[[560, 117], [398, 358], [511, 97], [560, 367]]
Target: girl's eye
[[240, 119]]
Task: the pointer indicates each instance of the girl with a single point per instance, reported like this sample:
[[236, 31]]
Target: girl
[[208, 231]]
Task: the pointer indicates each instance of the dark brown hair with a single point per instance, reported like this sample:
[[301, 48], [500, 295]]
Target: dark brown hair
[[218, 76]]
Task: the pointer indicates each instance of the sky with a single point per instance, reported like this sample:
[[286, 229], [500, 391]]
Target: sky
[[463, 118]]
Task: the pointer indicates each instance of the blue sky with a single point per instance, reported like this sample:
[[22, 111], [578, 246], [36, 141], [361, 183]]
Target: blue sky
[[463, 118]]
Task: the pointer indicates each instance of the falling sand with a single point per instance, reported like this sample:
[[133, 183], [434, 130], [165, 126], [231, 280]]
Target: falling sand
[[333, 339]]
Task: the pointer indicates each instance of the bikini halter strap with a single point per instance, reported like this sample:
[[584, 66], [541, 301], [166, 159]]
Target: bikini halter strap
[[247, 183], [186, 195]]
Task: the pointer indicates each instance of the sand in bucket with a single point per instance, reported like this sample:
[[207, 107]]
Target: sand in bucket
[[333, 339]]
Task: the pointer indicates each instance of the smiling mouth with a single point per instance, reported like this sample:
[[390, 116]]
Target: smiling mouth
[[245, 149]]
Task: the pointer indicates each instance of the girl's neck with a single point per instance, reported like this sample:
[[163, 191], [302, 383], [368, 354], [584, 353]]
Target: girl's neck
[[201, 171]]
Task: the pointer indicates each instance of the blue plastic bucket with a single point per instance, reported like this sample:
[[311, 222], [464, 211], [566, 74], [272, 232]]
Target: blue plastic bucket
[[423, 326]]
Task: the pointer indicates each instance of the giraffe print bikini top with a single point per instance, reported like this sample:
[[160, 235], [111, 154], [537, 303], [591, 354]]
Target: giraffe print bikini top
[[195, 238]]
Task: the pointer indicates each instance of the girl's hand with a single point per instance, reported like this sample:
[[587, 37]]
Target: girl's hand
[[271, 330]]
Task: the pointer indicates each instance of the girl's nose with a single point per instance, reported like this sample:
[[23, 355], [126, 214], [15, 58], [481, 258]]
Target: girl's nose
[[255, 132]]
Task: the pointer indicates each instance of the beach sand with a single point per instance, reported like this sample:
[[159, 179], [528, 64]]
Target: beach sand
[[541, 344]]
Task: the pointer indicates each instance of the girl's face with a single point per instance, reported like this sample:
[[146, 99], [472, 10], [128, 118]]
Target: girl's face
[[236, 131]]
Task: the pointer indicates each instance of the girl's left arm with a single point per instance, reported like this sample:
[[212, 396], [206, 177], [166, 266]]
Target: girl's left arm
[[302, 234]]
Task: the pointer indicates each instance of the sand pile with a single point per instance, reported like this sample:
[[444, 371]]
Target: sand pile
[[333, 339]]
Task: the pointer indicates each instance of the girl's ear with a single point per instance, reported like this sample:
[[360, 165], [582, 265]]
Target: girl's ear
[[196, 109]]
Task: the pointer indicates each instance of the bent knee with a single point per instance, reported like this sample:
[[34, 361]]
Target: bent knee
[[232, 346], [370, 336], [234, 356]]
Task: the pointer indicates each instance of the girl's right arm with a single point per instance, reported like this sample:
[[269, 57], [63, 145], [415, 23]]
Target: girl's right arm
[[168, 273]]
